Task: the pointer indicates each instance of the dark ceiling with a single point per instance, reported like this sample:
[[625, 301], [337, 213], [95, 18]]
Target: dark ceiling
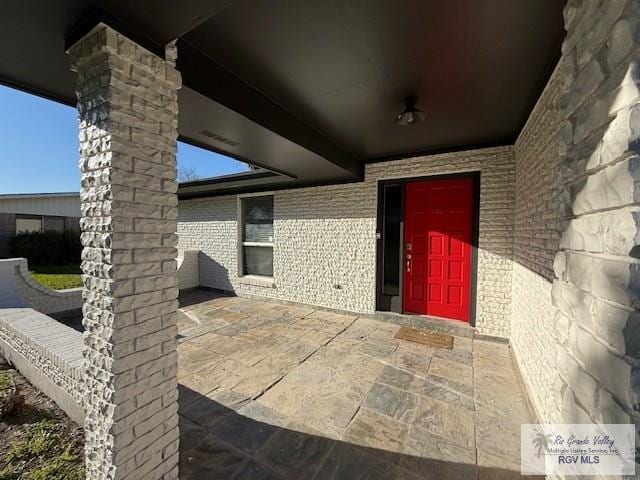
[[310, 89]]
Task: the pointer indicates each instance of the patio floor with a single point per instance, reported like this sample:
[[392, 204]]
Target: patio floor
[[281, 391]]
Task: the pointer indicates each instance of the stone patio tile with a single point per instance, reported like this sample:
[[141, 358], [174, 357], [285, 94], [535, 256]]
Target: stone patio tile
[[392, 402], [221, 375], [192, 357], [329, 415], [459, 356], [253, 470], [220, 344], [232, 330], [190, 331], [261, 413], [463, 343], [494, 467], [286, 397], [202, 384], [380, 350], [346, 462], [453, 371], [498, 392], [422, 444], [210, 459], [186, 395], [207, 411], [416, 363], [453, 423], [457, 394], [243, 433], [317, 337], [291, 331], [333, 317], [253, 354], [221, 315], [255, 381], [431, 469], [295, 454], [499, 436], [361, 328], [360, 366], [400, 379], [293, 311], [282, 363], [229, 398], [212, 321], [190, 433], [371, 429]]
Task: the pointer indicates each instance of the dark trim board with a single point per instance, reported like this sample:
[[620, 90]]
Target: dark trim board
[[475, 234], [507, 142]]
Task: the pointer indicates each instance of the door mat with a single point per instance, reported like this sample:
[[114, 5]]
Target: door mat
[[425, 337]]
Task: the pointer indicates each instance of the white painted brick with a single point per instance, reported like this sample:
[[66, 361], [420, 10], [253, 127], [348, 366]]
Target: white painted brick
[[325, 236]]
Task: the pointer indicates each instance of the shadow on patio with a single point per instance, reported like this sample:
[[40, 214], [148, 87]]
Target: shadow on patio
[[269, 390]]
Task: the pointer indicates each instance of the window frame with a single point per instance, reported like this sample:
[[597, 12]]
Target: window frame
[[242, 244]]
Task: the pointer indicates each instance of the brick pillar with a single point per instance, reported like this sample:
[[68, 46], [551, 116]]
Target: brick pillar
[[127, 102]]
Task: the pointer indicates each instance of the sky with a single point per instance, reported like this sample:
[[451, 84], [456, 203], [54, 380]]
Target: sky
[[39, 147]]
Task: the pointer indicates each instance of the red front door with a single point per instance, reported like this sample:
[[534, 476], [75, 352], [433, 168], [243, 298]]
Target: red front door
[[437, 237]]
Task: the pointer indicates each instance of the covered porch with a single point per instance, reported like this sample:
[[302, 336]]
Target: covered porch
[[532, 106]]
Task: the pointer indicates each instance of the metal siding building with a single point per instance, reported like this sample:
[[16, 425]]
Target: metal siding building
[[37, 211]]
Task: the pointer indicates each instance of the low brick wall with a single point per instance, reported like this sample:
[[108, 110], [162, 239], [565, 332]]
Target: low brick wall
[[47, 353], [15, 272], [188, 269]]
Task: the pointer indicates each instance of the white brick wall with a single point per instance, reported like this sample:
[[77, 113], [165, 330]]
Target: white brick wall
[[325, 237], [539, 217], [577, 224]]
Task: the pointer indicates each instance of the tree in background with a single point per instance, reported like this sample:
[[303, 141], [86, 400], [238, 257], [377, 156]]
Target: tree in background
[[187, 174]]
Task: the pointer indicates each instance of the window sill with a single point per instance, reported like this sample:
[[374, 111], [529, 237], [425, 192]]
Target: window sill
[[257, 281]]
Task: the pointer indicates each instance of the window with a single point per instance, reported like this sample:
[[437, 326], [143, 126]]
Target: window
[[53, 223], [28, 224], [257, 235]]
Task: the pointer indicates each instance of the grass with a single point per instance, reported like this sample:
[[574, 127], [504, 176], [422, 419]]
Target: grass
[[57, 277], [42, 453], [5, 381]]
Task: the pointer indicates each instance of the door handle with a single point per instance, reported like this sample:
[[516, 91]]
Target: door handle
[[408, 265]]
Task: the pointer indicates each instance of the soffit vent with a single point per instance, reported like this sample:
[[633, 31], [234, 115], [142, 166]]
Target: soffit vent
[[219, 138]]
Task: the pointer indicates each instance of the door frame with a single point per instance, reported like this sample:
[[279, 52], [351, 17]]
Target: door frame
[[475, 233]]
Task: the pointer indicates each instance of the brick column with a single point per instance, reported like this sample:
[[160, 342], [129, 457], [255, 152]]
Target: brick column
[[127, 102]]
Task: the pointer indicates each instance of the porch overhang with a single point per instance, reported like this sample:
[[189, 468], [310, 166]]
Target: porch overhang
[[310, 91]]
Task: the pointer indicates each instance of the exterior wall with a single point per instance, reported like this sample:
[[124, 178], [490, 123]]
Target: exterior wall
[[62, 205], [325, 244], [58, 223], [7, 231], [575, 315], [540, 214]]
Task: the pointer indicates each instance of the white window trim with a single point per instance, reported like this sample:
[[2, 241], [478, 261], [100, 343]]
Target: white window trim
[[250, 279]]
